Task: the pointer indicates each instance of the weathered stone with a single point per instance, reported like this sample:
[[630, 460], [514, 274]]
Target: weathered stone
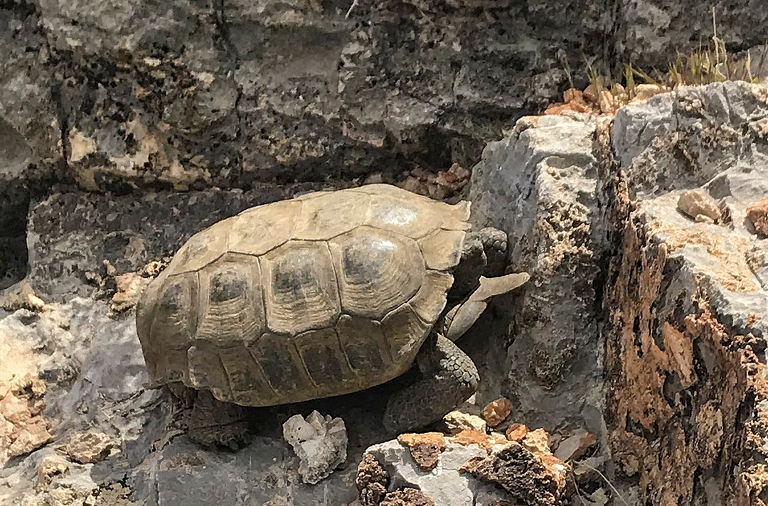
[[457, 421], [536, 441], [539, 186], [128, 289], [757, 214], [473, 437], [407, 497], [532, 478], [126, 232], [516, 432], [497, 411], [425, 448], [444, 484], [645, 91], [684, 294], [695, 203], [371, 481], [320, 442], [49, 468], [575, 446], [23, 427], [89, 447]]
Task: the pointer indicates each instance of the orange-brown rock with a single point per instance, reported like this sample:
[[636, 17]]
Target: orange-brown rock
[[573, 95], [23, 427], [407, 497], [529, 477], [425, 448], [473, 437], [536, 441], [516, 432], [89, 447], [496, 411], [569, 107], [371, 481], [757, 214]]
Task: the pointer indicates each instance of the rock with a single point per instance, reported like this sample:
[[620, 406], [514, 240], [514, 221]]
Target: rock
[[407, 497], [425, 448], [125, 232], [457, 421], [575, 446], [573, 95], [23, 427], [708, 300], [534, 479], [645, 91], [516, 432], [89, 447], [21, 296], [695, 203], [536, 441], [444, 484], [497, 411], [49, 468], [371, 481], [473, 437], [539, 185], [757, 214], [128, 289], [320, 442]]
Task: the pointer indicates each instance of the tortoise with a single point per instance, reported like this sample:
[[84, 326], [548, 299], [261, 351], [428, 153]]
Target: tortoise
[[325, 294]]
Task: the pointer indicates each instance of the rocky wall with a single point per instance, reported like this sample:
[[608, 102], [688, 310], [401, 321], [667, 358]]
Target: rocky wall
[[539, 185], [686, 300]]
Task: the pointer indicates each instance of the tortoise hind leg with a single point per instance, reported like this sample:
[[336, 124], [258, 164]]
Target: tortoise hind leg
[[216, 423], [449, 378]]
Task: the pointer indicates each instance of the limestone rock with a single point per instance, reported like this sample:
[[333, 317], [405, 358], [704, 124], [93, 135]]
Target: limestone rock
[[49, 468], [23, 427], [497, 411], [540, 186], [695, 203], [320, 442], [536, 441], [705, 287], [533, 478], [407, 497], [128, 289], [481, 439], [757, 214], [425, 448], [516, 432], [444, 484], [371, 481], [457, 421], [575, 446], [89, 447]]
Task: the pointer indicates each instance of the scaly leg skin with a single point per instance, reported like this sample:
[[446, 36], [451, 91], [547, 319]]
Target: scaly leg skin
[[494, 243], [215, 423], [449, 378], [484, 254]]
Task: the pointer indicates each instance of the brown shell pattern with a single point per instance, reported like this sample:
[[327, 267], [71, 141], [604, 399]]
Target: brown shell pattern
[[322, 295]]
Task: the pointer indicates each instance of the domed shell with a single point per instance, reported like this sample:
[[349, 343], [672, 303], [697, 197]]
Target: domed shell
[[321, 295]]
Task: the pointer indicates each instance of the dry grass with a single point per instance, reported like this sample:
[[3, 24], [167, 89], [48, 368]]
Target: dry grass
[[709, 63]]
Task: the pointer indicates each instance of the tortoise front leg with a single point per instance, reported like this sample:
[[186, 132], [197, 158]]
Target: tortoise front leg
[[215, 423], [449, 378], [462, 316]]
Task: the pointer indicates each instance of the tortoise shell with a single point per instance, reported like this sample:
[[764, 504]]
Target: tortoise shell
[[321, 295]]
